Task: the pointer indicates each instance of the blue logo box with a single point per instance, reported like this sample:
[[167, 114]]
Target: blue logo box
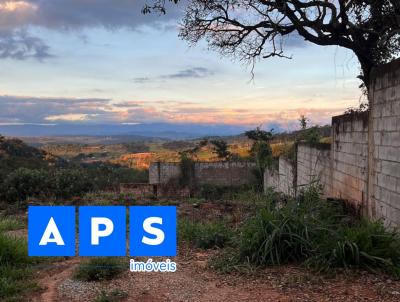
[[151, 233], [102, 230]]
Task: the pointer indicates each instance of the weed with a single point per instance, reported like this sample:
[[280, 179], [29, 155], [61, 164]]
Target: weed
[[319, 234], [204, 235], [14, 282], [13, 251], [14, 272], [114, 296], [98, 269], [9, 224]]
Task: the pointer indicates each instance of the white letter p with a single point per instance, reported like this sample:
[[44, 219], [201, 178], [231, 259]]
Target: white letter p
[[96, 233]]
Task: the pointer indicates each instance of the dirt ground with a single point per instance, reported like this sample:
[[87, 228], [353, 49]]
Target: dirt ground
[[195, 281]]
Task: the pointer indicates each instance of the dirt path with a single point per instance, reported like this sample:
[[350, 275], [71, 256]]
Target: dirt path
[[193, 281], [54, 277]]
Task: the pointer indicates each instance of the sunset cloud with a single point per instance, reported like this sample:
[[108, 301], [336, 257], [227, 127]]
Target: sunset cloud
[[67, 15], [58, 110], [78, 14], [72, 117], [184, 74]]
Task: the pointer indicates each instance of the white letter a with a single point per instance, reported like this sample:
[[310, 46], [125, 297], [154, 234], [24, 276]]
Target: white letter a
[[51, 229]]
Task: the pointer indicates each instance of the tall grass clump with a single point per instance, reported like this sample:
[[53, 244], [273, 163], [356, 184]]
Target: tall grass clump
[[14, 268], [204, 235], [319, 234], [10, 224], [13, 251], [367, 245]]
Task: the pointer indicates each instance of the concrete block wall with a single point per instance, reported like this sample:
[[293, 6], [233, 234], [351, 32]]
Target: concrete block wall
[[271, 180], [363, 164], [281, 180], [224, 173], [212, 173], [384, 172], [314, 166], [350, 158], [162, 173]]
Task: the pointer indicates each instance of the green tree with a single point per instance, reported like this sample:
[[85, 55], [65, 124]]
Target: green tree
[[220, 147], [303, 122], [187, 170], [23, 183], [310, 135], [71, 182], [261, 151]]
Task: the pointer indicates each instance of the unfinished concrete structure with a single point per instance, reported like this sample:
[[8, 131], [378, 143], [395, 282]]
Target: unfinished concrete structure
[[205, 173], [362, 165]]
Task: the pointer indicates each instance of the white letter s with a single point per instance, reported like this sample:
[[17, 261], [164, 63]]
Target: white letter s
[[160, 236]]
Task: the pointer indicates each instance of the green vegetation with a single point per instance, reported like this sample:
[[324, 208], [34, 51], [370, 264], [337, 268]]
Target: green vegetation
[[214, 193], [220, 147], [28, 172], [315, 233], [204, 235], [98, 269], [15, 275], [113, 296], [10, 224], [186, 164], [260, 152]]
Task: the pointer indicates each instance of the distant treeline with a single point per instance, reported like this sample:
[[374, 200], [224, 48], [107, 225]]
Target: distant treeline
[[28, 172]]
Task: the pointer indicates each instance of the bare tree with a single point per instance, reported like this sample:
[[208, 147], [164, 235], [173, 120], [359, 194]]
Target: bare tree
[[251, 29]]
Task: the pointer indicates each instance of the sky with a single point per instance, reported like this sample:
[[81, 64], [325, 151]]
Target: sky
[[104, 62]]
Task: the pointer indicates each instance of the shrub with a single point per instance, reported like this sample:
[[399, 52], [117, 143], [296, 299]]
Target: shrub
[[367, 245], [319, 234], [98, 269], [22, 183], [108, 176], [71, 182], [205, 236], [14, 272]]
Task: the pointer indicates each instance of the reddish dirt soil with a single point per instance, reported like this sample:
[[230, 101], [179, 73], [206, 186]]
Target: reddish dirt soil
[[194, 281]]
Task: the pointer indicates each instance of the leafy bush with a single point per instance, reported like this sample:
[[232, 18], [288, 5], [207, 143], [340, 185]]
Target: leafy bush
[[205, 236], [71, 182], [21, 183], [98, 269], [108, 176], [63, 183]]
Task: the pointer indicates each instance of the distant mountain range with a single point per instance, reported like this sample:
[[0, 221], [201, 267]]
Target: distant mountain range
[[158, 130]]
